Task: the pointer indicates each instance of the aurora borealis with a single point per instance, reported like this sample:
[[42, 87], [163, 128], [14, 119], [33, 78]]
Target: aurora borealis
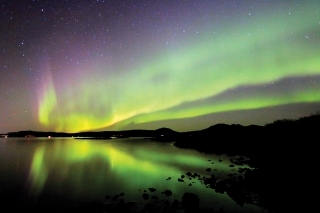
[[114, 65]]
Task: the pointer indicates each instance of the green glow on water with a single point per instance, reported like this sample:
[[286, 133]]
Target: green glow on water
[[90, 169], [76, 160]]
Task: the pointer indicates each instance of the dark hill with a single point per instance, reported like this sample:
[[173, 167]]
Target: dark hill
[[165, 135], [283, 154]]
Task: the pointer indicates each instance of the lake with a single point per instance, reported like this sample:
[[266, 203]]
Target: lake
[[73, 172]]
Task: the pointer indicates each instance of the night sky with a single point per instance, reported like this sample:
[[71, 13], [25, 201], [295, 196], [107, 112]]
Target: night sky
[[114, 65]]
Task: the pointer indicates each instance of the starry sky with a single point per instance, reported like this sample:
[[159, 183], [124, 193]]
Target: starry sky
[[78, 65]]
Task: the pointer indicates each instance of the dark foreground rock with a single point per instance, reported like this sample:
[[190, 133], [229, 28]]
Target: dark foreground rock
[[281, 155]]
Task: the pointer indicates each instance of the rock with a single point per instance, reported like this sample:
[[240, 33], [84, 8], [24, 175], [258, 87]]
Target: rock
[[115, 197], [235, 191], [208, 170], [180, 180], [240, 178], [167, 192], [130, 204], [221, 187], [210, 182], [145, 196], [152, 189], [190, 202], [149, 207], [221, 210], [196, 175], [175, 204]]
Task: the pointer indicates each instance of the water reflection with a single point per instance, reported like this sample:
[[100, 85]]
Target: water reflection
[[91, 169], [78, 161]]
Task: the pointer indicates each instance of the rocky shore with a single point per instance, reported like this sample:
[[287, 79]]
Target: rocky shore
[[282, 155]]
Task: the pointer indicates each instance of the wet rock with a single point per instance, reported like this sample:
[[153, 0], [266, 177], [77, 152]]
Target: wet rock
[[167, 192], [152, 189], [238, 161], [145, 196], [150, 207], [120, 202], [114, 206], [235, 191], [166, 203], [221, 187], [240, 178], [108, 207], [130, 204], [175, 205], [210, 182], [115, 197], [221, 210], [190, 202], [196, 175], [165, 207]]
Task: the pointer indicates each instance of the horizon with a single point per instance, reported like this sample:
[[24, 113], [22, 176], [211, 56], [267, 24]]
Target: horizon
[[186, 65], [163, 127]]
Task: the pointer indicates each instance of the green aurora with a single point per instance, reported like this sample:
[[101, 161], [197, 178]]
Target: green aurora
[[259, 53]]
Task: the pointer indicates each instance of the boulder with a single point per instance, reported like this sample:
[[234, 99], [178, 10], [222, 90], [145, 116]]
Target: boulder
[[190, 202]]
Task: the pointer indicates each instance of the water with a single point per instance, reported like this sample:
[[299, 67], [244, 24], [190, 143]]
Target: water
[[73, 172]]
